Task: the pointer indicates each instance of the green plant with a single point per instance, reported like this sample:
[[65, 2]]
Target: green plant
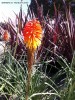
[[13, 78], [68, 91]]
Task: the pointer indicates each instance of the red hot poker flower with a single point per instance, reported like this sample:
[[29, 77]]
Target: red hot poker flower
[[32, 33], [6, 36]]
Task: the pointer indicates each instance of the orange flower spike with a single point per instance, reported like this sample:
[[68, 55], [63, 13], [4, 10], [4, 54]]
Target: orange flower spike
[[32, 33], [6, 36]]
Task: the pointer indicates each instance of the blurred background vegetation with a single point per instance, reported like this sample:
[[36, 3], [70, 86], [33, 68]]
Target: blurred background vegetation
[[53, 75]]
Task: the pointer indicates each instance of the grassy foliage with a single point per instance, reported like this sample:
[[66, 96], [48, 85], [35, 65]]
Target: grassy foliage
[[13, 81]]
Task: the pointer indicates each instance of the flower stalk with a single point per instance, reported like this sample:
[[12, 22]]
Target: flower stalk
[[30, 64], [32, 33]]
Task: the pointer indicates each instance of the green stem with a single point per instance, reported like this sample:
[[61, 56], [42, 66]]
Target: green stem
[[4, 47]]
